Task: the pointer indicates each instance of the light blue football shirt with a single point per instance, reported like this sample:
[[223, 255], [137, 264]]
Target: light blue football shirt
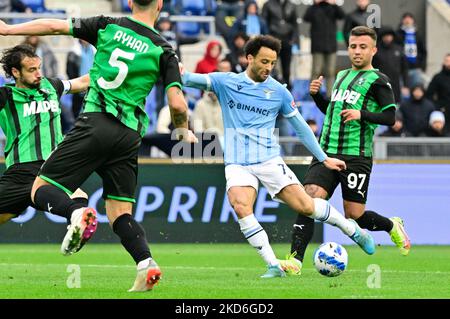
[[249, 111]]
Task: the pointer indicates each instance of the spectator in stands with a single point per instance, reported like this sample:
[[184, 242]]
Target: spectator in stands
[[439, 89], [416, 111], [209, 62], [237, 51], [227, 12], [281, 19], [437, 125], [49, 66], [79, 61], [396, 130], [224, 66], [207, 116], [391, 61], [323, 15], [13, 6], [414, 48], [251, 23], [356, 18]]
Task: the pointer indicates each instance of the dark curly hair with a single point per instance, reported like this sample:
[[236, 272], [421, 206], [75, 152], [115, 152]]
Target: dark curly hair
[[12, 57], [254, 44]]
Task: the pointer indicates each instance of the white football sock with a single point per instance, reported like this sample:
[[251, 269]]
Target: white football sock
[[324, 212], [143, 263], [257, 237]]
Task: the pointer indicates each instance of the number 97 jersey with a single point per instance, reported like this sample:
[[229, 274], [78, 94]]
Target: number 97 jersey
[[130, 58]]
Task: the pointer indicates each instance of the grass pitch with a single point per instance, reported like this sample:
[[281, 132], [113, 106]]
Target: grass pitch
[[229, 271]]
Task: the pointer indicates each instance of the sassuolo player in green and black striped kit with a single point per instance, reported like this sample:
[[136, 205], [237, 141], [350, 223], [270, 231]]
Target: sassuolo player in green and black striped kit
[[362, 99], [30, 118], [131, 56]]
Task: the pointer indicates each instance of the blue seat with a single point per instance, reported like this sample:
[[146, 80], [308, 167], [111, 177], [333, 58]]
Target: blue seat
[[192, 8]]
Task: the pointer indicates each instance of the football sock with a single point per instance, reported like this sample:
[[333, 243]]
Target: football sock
[[374, 222], [257, 237], [132, 237], [81, 200], [326, 213], [143, 263], [54, 200], [302, 235]]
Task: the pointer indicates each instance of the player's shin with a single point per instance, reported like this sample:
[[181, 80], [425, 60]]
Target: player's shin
[[132, 236], [54, 200], [302, 233]]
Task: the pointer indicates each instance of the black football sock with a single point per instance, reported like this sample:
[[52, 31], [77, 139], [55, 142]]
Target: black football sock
[[374, 222], [132, 237], [84, 202], [302, 235], [54, 200]]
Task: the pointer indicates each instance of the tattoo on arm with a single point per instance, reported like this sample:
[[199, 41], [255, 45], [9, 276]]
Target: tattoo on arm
[[179, 119]]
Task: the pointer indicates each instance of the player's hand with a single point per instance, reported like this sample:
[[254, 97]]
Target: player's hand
[[315, 85], [334, 164], [181, 67], [187, 136], [351, 115]]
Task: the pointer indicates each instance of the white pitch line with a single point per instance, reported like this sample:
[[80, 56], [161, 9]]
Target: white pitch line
[[216, 268]]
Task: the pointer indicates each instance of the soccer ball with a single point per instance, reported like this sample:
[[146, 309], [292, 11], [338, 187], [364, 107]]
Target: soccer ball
[[330, 259]]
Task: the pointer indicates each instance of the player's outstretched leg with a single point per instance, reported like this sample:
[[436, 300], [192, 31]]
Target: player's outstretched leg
[[83, 220], [399, 236], [326, 213]]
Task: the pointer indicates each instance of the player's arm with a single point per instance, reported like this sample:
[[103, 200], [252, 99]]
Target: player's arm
[[170, 72], [384, 96], [36, 27], [319, 99], [196, 80], [306, 135], [79, 84]]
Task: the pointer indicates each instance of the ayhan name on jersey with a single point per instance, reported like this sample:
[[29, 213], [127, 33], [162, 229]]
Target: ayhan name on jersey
[[350, 97], [131, 42], [39, 107]]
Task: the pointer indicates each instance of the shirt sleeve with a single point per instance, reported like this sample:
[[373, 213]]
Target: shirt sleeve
[[288, 107], [3, 97], [169, 69], [59, 86], [217, 80], [383, 94], [87, 28]]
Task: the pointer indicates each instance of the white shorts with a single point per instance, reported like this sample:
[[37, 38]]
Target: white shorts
[[274, 174]]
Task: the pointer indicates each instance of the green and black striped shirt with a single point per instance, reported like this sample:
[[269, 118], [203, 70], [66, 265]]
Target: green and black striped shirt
[[367, 90], [30, 119], [130, 58]]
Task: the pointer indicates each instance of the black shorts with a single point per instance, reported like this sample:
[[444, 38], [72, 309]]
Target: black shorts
[[98, 143], [15, 187], [354, 180]]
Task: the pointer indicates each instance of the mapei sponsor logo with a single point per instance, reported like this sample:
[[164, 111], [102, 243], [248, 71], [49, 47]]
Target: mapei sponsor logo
[[350, 97], [40, 107], [239, 106]]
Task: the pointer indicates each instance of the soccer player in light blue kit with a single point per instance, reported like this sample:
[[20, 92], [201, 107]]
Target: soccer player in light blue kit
[[250, 103]]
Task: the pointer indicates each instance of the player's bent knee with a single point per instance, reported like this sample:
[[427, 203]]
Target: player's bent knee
[[38, 182], [79, 194]]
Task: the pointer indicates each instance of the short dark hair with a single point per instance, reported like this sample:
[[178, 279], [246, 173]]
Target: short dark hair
[[254, 44], [143, 3], [363, 30], [12, 57]]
